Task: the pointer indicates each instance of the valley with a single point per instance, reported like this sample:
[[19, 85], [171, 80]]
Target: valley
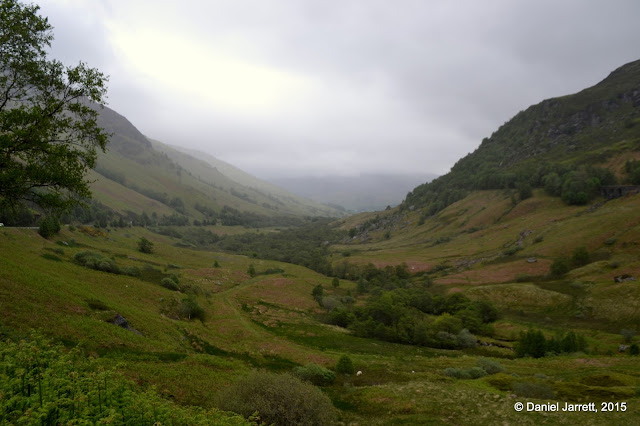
[[149, 283]]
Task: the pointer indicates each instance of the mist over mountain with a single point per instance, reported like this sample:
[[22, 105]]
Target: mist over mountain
[[365, 192]]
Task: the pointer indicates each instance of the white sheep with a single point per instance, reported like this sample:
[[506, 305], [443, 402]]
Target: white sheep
[[359, 373]]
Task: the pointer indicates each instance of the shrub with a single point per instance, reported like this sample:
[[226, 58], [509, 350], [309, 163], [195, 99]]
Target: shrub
[[315, 374], [190, 309], [278, 398], [466, 340], [317, 293], [345, 365], [465, 373], [457, 373], [524, 191], [476, 372], [145, 246], [490, 366], [251, 271], [169, 284], [559, 267], [634, 349], [335, 282], [216, 264], [93, 260], [49, 226], [580, 257]]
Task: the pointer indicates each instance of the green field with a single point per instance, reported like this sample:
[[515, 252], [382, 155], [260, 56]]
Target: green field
[[271, 321]]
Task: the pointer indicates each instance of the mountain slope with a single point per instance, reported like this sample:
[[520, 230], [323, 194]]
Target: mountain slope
[[212, 170], [133, 177], [599, 126]]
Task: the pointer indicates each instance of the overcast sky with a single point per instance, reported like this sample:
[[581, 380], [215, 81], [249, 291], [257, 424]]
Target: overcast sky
[[298, 87]]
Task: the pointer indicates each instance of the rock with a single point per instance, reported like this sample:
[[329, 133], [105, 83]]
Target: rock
[[623, 348], [121, 321], [532, 260], [624, 278]]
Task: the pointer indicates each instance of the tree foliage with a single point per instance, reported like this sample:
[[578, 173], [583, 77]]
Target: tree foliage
[[44, 383], [279, 399], [48, 130]]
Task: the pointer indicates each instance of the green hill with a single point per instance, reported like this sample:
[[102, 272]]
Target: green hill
[[219, 173], [136, 176], [561, 144]]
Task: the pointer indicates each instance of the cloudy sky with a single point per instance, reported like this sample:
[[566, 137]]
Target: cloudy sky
[[300, 87]]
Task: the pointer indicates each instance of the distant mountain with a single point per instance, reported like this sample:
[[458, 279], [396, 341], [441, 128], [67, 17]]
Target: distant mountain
[[366, 192], [210, 169], [569, 145], [137, 176]]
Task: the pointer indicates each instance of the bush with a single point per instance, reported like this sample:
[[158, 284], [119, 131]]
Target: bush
[[190, 309], [465, 373], [145, 246], [251, 271], [169, 284], [93, 260], [490, 366], [634, 349], [278, 398], [317, 293], [49, 226], [559, 267], [335, 282], [476, 372], [345, 365], [465, 339], [315, 374], [580, 257]]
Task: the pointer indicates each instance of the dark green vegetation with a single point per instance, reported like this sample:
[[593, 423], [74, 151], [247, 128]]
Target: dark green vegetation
[[278, 399], [41, 383], [559, 144], [48, 128]]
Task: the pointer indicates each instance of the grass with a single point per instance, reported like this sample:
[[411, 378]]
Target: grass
[[272, 322]]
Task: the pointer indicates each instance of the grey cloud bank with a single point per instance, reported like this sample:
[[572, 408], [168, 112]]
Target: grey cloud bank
[[286, 88]]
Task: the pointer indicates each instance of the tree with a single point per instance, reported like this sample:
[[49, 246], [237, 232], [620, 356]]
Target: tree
[[145, 246], [580, 256], [335, 282], [317, 293], [48, 130], [345, 365], [559, 267]]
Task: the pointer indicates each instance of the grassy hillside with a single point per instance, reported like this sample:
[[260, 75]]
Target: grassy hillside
[[557, 144], [157, 178], [227, 177], [271, 321]]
